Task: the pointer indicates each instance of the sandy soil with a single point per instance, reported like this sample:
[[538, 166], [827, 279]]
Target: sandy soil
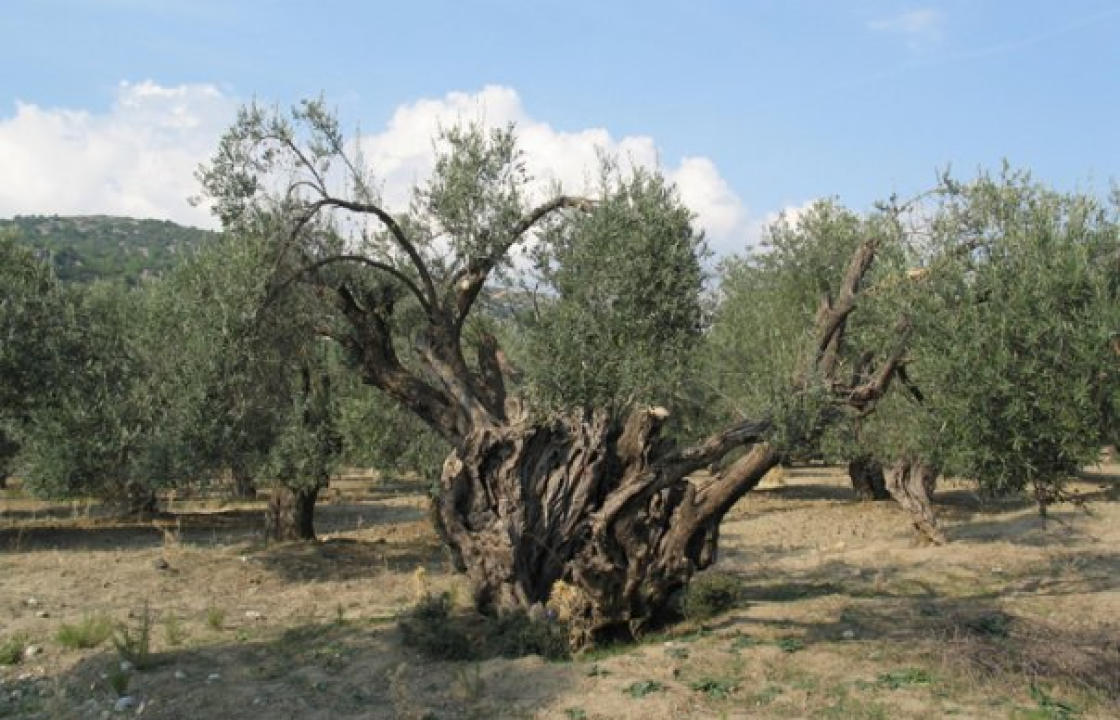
[[844, 615]]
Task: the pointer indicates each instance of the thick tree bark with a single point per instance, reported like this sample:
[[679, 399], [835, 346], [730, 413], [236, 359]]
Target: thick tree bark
[[867, 478], [603, 506], [911, 484], [291, 514]]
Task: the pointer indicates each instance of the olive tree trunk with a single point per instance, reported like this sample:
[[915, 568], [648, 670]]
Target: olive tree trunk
[[291, 513], [602, 505], [911, 484], [867, 478]]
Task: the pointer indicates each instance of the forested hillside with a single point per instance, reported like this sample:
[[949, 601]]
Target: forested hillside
[[86, 248]]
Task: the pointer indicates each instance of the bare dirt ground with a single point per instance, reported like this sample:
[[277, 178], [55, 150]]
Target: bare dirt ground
[[843, 615]]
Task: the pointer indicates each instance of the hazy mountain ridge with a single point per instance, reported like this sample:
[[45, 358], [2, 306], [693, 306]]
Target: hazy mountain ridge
[[84, 248]]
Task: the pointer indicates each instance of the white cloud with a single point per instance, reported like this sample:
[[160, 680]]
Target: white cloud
[[138, 158], [756, 230], [919, 27], [402, 154]]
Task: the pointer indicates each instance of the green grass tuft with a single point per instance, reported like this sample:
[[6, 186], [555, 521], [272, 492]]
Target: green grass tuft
[[89, 632]]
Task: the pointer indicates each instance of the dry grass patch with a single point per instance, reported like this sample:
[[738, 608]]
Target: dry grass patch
[[996, 646]]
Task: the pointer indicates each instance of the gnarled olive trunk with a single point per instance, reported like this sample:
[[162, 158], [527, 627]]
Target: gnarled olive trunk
[[291, 513], [604, 506], [911, 483], [867, 478]]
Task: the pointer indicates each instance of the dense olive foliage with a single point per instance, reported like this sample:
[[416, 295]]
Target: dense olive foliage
[[617, 317], [92, 434]]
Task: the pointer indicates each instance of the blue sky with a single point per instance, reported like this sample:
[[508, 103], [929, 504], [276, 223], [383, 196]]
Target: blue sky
[[784, 101]]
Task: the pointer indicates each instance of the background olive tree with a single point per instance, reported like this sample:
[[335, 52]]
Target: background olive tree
[[1000, 296], [1015, 312], [31, 318], [93, 436]]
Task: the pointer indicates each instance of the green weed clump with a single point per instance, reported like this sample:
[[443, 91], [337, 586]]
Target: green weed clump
[[791, 644], [89, 632], [641, 688], [215, 617], [118, 681], [11, 649], [710, 594], [173, 630], [714, 688], [901, 678]]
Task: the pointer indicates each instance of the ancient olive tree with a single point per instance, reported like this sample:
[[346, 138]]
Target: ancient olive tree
[[598, 499]]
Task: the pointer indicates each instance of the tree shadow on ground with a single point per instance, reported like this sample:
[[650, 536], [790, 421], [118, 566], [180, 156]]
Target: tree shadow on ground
[[336, 517], [959, 623], [1065, 574], [109, 533], [312, 672], [970, 637], [200, 528], [350, 558], [1057, 528], [802, 491]]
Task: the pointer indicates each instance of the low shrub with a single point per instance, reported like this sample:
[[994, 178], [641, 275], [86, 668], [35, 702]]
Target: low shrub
[[215, 617], [710, 594], [429, 627], [173, 630], [516, 634]]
